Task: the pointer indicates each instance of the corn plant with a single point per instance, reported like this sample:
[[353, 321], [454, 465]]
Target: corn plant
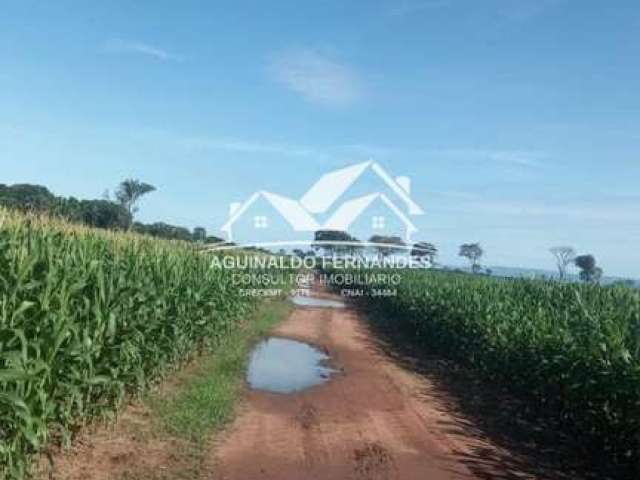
[[573, 348], [88, 317]]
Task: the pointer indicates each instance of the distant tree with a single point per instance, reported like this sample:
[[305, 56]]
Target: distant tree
[[26, 197], [298, 252], [93, 213], [564, 257], [589, 270], [164, 230], [103, 214], [386, 245], [214, 239], [597, 275], [424, 250], [473, 252], [322, 236], [355, 249], [199, 234], [129, 193]]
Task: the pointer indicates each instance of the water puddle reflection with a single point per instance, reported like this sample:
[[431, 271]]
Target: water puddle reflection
[[306, 301], [285, 366]]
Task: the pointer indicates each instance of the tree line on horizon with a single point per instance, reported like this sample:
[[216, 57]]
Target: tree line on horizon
[[384, 246], [105, 213], [119, 214]]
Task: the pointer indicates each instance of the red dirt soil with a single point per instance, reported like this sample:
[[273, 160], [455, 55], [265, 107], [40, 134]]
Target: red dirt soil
[[374, 420]]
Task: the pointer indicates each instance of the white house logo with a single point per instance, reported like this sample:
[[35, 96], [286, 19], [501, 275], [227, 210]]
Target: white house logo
[[334, 202]]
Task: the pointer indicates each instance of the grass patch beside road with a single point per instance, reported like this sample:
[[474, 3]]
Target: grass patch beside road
[[205, 393], [165, 435]]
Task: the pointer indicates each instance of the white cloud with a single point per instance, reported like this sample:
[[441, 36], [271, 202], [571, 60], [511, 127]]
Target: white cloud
[[317, 78], [117, 45]]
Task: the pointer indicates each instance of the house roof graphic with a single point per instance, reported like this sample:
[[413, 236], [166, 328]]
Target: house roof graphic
[[349, 211], [291, 211], [324, 194]]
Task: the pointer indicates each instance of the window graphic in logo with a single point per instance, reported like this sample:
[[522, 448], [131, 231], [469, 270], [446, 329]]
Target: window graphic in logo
[[260, 221], [337, 201]]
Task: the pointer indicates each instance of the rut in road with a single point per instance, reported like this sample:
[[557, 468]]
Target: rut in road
[[373, 420]]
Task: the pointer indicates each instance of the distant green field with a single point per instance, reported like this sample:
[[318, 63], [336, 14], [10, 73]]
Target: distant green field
[[87, 317], [574, 348]]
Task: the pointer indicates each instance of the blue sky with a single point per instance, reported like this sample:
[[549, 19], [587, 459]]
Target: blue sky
[[517, 120]]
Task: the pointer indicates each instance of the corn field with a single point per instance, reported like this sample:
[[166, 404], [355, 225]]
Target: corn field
[[88, 317], [575, 349]]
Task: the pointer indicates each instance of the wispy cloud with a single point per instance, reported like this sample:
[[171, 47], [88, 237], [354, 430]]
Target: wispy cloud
[[117, 45], [527, 159], [316, 77], [600, 209], [520, 158], [249, 146], [515, 158], [576, 211]]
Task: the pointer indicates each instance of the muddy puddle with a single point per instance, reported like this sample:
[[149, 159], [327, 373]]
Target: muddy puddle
[[307, 301], [286, 366]]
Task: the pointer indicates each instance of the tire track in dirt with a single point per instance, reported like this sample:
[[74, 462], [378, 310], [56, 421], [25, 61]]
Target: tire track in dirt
[[367, 422]]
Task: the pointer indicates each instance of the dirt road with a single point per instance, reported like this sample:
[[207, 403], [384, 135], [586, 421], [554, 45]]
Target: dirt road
[[374, 420]]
